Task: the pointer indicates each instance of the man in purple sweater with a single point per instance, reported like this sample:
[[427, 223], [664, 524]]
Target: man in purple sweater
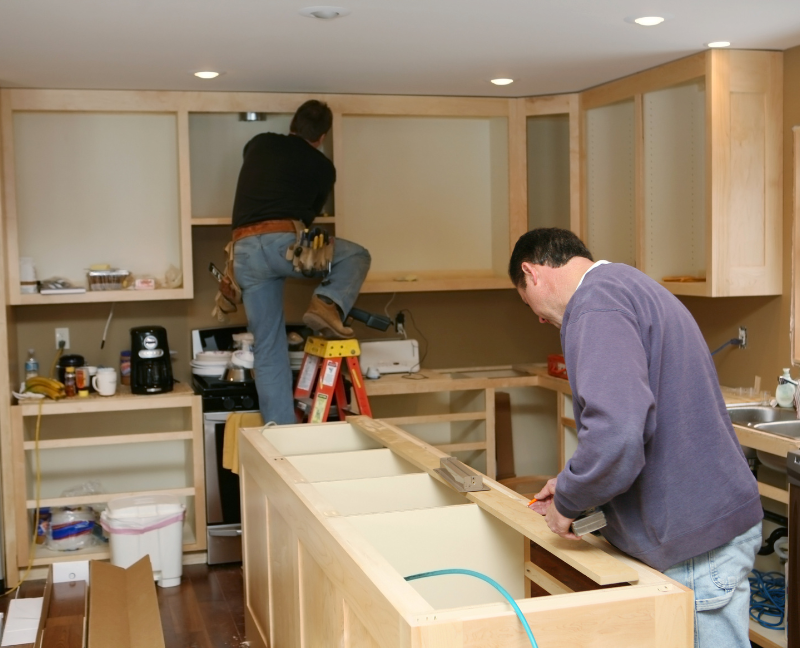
[[656, 449]]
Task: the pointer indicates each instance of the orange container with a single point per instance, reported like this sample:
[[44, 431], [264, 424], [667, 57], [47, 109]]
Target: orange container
[[556, 365]]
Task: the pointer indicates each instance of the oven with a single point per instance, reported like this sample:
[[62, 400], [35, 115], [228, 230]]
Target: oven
[[223, 511], [220, 398]]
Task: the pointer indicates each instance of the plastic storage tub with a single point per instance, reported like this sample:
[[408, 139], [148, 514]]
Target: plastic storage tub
[[149, 524]]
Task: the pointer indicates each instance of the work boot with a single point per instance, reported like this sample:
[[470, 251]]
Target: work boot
[[325, 319]]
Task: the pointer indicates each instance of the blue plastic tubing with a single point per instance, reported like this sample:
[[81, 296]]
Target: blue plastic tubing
[[493, 583]]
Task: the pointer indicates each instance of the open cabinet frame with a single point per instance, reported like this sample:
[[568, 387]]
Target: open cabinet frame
[[319, 575], [742, 147]]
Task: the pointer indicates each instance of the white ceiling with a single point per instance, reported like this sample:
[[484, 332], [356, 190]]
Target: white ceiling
[[426, 47]]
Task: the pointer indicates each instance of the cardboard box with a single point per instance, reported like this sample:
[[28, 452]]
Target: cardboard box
[[93, 604]]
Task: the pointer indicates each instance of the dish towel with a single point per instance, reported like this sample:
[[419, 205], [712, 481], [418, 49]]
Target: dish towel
[[230, 442]]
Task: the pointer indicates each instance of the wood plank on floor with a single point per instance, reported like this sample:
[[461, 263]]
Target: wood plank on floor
[[205, 611]]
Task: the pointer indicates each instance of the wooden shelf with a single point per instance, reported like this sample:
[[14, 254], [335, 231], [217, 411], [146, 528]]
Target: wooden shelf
[[45, 556], [766, 637], [103, 498], [422, 282], [153, 437], [180, 396], [100, 296], [436, 418]]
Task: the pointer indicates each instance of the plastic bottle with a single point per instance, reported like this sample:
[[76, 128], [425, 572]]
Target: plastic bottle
[[784, 394], [31, 365], [69, 382]]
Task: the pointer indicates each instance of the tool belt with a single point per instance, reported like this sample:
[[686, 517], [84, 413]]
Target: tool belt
[[266, 227], [229, 294], [312, 253]]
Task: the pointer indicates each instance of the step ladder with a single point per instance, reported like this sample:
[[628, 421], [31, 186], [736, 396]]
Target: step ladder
[[321, 378]]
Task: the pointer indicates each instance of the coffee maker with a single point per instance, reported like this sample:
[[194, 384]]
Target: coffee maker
[[151, 367]]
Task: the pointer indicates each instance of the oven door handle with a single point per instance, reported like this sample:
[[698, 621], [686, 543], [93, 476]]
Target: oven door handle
[[224, 533]]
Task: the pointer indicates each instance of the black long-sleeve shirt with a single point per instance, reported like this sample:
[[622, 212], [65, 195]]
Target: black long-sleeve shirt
[[282, 177]]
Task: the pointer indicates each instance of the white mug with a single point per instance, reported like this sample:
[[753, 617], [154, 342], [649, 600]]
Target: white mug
[[105, 381]]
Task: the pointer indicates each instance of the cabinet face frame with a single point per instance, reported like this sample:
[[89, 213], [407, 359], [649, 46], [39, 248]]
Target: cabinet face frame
[[741, 87], [565, 104], [17, 506], [293, 536], [69, 101], [183, 103]]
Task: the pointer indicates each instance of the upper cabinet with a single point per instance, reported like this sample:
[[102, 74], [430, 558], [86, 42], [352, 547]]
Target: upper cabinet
[[93, 182], [676, 170], [683, 173]]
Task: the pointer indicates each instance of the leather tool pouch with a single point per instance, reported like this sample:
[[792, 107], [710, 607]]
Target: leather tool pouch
[[312, 252], [229, 294]]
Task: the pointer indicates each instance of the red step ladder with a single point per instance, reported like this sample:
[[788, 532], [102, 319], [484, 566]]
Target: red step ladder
[[322, 377]]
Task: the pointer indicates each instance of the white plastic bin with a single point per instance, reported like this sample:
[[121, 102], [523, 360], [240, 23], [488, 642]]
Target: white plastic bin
[[148, 524]]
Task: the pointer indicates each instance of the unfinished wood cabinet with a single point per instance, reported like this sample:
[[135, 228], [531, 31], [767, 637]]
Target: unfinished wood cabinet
[[127, 444], [94, 178], [683, 168], [553, 169], [337, 515]]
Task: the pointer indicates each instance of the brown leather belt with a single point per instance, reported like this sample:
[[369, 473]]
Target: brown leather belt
[[264, 227]]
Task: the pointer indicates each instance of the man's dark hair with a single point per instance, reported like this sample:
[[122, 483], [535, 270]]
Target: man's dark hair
[[312, 120], [550, 246]]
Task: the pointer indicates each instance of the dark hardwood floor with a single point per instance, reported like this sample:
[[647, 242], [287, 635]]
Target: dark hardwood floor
[[205, 611]]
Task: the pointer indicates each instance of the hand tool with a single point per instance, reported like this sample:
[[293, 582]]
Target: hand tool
[[459, 476]]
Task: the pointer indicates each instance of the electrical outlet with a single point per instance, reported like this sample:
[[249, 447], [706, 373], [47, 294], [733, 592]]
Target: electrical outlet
[[742, 337], [62, 335], [399, 323]]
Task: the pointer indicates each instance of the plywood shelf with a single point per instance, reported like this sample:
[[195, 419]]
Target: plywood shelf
[[767, 637], [181, 396], [120, 439], [103, 498], [100, 296], [45, 556]]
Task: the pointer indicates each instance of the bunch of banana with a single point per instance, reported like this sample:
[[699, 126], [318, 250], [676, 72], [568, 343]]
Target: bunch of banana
[[47, 386]]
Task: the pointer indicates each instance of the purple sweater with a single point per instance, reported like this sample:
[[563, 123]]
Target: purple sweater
[[656, 448]]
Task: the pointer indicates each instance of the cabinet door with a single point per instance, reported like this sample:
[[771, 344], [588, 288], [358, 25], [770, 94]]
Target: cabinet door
[[746, 150]]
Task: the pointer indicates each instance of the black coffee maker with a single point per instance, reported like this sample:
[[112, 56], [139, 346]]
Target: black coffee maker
[[151, 367]]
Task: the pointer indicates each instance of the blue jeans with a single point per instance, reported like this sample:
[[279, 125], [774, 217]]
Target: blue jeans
[[721, 591], [261, 270]]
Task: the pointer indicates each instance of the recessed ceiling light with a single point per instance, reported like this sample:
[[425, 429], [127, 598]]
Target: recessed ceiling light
[[207, 75], [502, 81], [324, 12], [719, 44], [648, 21]]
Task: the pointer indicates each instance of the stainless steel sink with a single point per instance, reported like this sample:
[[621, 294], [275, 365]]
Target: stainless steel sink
[[784, 428], [753, 416]]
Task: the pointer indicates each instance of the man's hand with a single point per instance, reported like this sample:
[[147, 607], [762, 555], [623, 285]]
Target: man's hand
[[543, 505]]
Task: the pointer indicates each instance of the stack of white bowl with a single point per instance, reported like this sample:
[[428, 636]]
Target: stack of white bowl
[[211, 364]]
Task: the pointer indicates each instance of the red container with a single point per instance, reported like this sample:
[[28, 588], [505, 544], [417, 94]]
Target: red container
[[556, 366]]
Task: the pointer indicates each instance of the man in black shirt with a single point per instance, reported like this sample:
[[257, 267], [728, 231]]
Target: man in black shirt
[[286, 178]]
